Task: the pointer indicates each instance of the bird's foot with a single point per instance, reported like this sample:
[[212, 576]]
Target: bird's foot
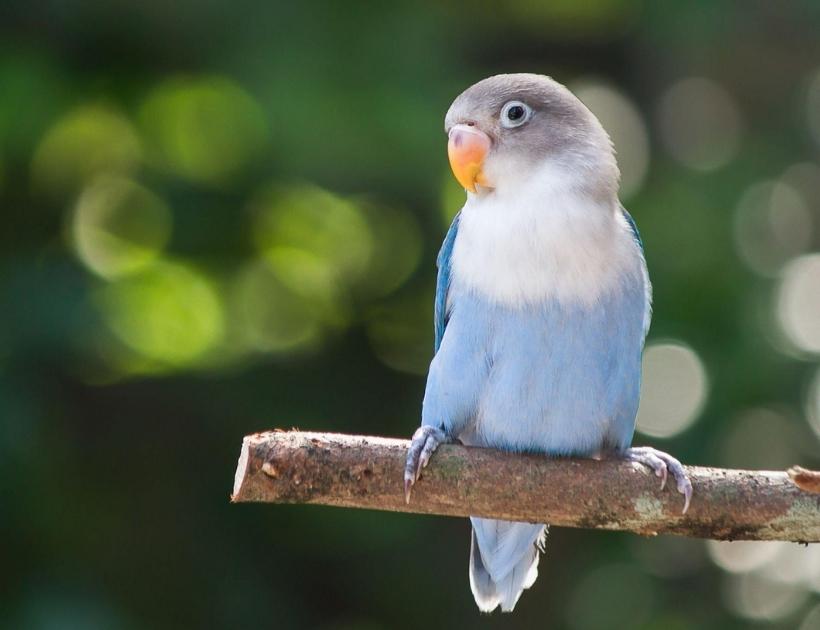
[[663, 464], [425, 441]]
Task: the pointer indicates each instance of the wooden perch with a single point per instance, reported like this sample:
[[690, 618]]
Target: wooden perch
[[366, 472]]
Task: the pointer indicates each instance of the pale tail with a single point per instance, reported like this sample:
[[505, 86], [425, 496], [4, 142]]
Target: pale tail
[[503, 561]]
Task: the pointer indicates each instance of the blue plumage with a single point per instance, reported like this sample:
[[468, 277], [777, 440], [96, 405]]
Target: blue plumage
[[443, 281], [545, 365], [546, 377]]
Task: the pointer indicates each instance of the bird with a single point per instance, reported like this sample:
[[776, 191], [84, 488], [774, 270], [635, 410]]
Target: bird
[[542, 307]]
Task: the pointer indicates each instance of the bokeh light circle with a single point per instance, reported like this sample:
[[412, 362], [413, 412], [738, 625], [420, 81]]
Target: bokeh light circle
[[768, 580], [754, 596], [202, 128], [271, 318], [119, 226], [86, 141], [674, 389], [169, 313], [741, 556], [794, 564], [772, 225], [813, 403], [700, 123], [798, 303], [625, 125], [306, 221]]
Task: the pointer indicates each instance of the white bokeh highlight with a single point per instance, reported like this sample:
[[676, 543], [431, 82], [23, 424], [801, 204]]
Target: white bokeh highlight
[[626, 127], [798, 304], [813, 403], [753, 596], [766, 581], [674, 389], [742, 556]]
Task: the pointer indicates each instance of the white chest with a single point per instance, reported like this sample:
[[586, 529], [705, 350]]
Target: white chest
[[541, 244]]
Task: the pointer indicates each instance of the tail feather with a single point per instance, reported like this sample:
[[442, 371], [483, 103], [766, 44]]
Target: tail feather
[[503, 561], [504, 543], [520, 578], [482, 585]]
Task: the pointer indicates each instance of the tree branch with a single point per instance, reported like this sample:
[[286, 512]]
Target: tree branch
[[366, 472]]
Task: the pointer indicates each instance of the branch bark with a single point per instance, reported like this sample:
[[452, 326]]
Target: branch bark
[[367, 472]]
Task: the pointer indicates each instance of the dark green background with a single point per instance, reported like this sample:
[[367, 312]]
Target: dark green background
[[279, 181]]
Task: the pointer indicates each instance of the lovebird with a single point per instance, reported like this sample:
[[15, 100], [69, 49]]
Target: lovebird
[[542, 306]]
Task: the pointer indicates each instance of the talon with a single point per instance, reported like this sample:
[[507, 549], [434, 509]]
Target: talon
[[687, 499], [685, 488], [422, 446], [662, 464]]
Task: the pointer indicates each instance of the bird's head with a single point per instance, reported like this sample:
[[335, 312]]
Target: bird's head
[[506, 129]]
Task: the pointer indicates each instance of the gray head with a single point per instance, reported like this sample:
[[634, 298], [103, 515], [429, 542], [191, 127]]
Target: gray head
[[504, 129]]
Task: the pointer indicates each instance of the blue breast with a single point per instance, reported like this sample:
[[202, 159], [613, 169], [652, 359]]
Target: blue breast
[[548, 377]]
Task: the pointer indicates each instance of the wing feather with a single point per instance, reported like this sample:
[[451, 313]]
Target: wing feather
[[647, 315], [442, 313]]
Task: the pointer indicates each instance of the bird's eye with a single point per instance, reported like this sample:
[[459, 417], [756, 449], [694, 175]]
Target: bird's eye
[[515, 114]]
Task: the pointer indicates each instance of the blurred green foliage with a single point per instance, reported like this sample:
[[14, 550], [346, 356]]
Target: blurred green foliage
[[218, 219]]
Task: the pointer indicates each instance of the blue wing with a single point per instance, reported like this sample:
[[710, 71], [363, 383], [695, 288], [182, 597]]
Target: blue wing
[[647, 315], [441, 314], [633, 227]]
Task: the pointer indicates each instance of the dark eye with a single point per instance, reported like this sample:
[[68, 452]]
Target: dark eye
[[515, 113]]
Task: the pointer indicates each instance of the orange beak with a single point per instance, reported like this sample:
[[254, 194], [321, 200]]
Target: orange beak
[[467, 149]]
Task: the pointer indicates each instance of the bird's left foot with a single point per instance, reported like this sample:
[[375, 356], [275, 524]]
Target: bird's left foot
[[663, 464], [425, 441]]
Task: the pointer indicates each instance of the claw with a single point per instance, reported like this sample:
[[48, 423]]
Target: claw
[[425, 441], [687, 497], [662, 464]]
